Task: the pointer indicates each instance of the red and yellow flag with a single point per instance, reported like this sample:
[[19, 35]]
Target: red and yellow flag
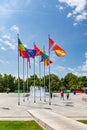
[[47, 62], [59, 51], [54, 47]]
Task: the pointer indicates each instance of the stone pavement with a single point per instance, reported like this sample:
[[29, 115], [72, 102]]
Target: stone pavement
[[9, 109], [60, 115]]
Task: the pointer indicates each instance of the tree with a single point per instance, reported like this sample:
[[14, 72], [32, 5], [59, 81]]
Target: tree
[[70, 80]]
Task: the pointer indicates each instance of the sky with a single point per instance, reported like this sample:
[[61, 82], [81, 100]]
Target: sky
[[64, 20]]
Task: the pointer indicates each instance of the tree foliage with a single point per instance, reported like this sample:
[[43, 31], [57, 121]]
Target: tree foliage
[[69, 82]]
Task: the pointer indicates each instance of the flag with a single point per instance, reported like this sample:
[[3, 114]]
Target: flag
[[21, 49], [28, 60], [38, 51], [31, 53], [44, 56], [23, 54], [47, 62], [51, 43], [60, 52], [20, 46], [54, 47]]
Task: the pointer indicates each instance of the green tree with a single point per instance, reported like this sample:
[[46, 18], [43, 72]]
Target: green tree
[[70, 80]]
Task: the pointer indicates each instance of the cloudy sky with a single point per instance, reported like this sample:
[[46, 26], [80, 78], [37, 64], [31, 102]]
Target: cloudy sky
[[64, 20]]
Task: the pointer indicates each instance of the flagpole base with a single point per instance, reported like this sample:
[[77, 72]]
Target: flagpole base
[[44, 100], [49, 103], [18, 103], [23, 100], [34, 101]]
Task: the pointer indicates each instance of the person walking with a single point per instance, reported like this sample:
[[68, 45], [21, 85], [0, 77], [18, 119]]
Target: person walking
[[62, 95], [67, 95], [51, 94]]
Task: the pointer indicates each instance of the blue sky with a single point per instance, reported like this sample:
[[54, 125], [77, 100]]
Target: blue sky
[[64, 20]]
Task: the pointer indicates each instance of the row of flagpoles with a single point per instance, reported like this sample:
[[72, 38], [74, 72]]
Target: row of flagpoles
[[26, 53]]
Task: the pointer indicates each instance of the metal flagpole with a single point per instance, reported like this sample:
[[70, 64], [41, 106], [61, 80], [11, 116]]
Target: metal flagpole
[[44, 86], [27, 81], [44, 79], [34, 83], [49, 72], [23, 83], [40, 76], [18, 78]]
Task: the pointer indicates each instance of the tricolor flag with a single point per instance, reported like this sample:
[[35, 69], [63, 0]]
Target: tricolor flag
[[54, 47], [21, 49]]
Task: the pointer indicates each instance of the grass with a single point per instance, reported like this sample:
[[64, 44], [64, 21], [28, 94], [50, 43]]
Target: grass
[[19, 125], [83, 121]]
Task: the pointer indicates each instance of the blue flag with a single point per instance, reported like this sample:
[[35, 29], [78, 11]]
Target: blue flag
[[31, 53]]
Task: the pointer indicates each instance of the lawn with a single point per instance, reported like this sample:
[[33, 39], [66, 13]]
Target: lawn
[[83, 121], [19, 125]]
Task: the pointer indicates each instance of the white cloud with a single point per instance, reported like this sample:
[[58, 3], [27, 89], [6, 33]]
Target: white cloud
[[10, 7], [15, 28], [10, 44], [7, 39], [2, 48], [6, 36], [75, 24], [69, 15], [81, 17], [60, 7], [78, 7], [84, 66]]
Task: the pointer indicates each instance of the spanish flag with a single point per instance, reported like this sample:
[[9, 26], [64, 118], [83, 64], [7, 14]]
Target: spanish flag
[[54, 47]]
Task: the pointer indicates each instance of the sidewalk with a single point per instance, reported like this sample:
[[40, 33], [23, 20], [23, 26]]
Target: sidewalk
[[60, 115], [9, 109], [54, 121]]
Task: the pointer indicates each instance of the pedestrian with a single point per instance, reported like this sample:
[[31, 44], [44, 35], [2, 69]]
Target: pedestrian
[[67, 95], [51, 95], [62, 95]]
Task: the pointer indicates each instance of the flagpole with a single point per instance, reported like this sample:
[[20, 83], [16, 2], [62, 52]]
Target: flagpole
[[27, 80], [34, 82], [40, 76], [23, 83], [49, 72], [44, 80], [18, 78]]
